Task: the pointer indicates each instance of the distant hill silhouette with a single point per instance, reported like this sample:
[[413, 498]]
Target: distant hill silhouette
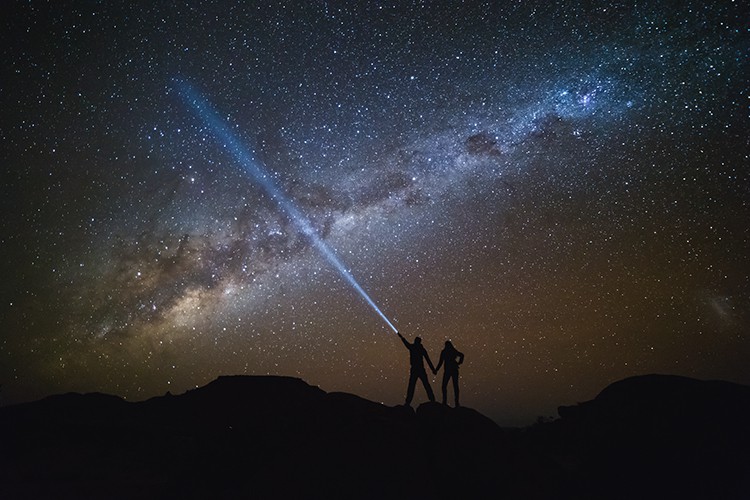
[[278, 437], [658, 436]]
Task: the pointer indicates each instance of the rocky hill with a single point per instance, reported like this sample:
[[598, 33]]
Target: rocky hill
[[278, 437]]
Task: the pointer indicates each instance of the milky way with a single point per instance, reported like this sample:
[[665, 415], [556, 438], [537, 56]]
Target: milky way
[[562, 191]]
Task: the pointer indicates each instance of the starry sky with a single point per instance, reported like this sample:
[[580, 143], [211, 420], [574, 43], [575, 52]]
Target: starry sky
[[560, 188]]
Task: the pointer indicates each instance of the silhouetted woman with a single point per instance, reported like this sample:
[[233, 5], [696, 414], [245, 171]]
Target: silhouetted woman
[[452, 358]]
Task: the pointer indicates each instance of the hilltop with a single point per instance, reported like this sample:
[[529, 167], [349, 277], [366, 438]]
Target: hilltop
[[260, 437]]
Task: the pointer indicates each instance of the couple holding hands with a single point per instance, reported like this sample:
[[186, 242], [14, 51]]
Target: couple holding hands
[[449, 356]]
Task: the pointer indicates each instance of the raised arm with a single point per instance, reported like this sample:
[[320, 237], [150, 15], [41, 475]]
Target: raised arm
[[403, 339]]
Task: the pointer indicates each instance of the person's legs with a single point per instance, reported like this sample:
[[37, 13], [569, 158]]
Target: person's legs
[[427, 387], [455, 387], [445, 386], [410, 389]]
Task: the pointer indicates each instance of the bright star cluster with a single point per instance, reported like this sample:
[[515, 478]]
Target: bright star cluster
[[560, 189]]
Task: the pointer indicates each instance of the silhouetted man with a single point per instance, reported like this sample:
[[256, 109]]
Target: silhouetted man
[[417, 353], [452, 358]]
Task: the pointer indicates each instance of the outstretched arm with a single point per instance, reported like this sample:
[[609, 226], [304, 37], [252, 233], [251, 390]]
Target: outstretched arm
[[429, 363], [440, 362], [403, 339]]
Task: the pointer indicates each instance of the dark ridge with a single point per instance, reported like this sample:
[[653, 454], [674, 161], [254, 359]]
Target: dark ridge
[[670, 436], [278, 437]]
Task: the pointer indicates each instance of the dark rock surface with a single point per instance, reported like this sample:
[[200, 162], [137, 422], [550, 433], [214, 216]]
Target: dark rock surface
[[659, 436], [278, 437]]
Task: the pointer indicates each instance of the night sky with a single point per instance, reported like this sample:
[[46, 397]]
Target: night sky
[[562, 190]]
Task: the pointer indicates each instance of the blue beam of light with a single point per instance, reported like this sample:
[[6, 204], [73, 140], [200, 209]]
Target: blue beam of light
[[245, 158]]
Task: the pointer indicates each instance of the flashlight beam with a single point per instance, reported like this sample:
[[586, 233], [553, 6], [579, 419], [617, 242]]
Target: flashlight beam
[[245, 158]]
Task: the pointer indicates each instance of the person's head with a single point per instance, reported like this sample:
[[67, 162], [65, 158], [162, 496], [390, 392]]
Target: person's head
[[417, 340], [448, 344]]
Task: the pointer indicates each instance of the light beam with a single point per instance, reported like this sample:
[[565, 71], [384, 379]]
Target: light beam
[[252, 167]]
